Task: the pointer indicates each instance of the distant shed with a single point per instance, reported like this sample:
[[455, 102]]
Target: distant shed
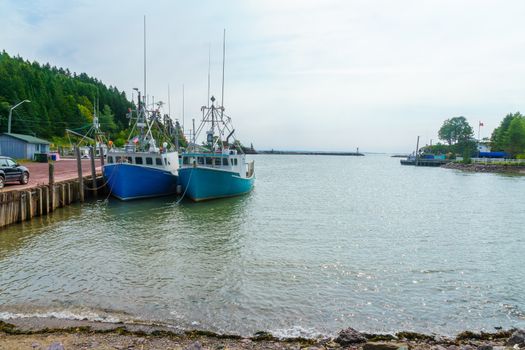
[[20, 146]]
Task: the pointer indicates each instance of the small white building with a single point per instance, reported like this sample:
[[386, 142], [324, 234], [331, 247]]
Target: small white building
[[483, 147]]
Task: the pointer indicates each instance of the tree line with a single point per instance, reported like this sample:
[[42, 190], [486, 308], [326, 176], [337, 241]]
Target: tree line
[[458, 135], [59, 99]]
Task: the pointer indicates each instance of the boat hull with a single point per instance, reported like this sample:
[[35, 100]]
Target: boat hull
[[202, 184], [126, 181]]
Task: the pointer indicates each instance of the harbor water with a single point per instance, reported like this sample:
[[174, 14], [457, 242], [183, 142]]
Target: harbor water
[[322, 243]]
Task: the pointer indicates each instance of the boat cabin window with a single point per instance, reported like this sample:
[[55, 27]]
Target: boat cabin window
[[138, 160], [110, 159], [200, 160], [217, 162], [225, 161], [149, 161], [158, 161], [234, 161], [208, 161], [130, 160], [185, 160], [165, 161], [118, 159]]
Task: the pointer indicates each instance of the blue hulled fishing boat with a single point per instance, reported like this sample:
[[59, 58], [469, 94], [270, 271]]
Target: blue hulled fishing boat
[[142, 169], [218, 169]]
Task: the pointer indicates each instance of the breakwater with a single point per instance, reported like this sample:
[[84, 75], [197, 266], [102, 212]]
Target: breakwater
[[312, 153]]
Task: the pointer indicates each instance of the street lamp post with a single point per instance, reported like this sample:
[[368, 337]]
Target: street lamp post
[[11, 113]]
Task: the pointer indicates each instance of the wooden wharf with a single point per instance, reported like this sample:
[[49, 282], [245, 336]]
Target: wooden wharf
[[51, 185]]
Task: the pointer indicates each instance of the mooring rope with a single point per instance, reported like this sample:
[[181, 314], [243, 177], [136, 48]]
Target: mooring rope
[[187, 186], [109, 192], [104, 184]]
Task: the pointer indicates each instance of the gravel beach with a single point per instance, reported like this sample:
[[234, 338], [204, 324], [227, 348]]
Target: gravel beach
[[55, 334]]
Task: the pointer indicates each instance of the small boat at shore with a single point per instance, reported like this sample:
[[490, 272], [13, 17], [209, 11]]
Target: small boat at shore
[[141, 169], [219, 169], [425, 160]]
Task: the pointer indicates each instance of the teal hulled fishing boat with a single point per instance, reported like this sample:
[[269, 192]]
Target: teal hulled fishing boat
[[218, 169], [208, 176]]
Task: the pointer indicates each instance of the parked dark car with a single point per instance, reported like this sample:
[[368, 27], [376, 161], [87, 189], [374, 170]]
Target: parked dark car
[[11, 171]]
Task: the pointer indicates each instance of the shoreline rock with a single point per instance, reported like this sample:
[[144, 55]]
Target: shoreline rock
[[350, 336], [517, 338], [486, 168]]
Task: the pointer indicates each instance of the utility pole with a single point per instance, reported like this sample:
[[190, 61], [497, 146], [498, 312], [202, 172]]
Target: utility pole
[[417, 151]]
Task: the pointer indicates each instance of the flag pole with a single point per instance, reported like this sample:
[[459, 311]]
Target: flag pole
[[479, 131]]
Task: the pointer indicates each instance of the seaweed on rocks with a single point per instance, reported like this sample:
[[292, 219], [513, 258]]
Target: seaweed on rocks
[[8, 328], [414, 336], [203, 333], [468, 335], [263, 336], [378, 337]]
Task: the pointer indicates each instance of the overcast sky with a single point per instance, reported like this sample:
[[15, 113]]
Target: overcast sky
[[327, 75]]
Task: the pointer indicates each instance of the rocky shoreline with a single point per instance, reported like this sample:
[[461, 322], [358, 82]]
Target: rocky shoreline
[[486, 168], [57, 334]]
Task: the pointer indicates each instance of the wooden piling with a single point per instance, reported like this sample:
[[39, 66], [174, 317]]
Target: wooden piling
[[69, 194], [93, 171], [101, 156], [40, 208], [21, 207], [52, 185], [45, 200], [61, 196], [3, 209], [29, 205], [80, 178]]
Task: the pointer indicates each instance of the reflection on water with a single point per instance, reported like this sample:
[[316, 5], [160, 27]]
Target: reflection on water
[[322, 243]]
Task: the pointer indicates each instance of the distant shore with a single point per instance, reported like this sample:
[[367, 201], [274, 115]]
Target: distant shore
[[51, 333], [486, 168]]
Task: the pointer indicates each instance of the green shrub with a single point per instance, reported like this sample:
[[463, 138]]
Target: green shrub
[[466, 157]]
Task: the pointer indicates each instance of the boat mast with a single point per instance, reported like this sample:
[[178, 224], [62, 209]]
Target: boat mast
[[209, 67], [169, 102], [145, 56], [223, 59], [182, 107], [222, 95]]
